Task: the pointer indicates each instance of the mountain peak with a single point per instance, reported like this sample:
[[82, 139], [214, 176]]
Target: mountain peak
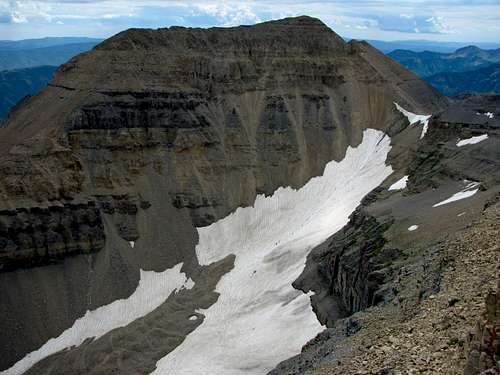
[[289, 31], [467, 50], [297, 21], [289, 39]]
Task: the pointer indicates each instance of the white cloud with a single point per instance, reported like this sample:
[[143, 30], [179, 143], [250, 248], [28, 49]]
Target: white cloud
[[229, 15], [16, 17], [431, 19], [440, 25]]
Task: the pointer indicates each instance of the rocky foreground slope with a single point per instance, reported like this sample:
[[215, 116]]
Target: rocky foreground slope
[[154, 133]]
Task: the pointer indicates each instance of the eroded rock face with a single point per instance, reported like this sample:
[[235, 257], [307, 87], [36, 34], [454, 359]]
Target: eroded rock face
[[141, 110], [350, 269], [162, 131], [39, 235]]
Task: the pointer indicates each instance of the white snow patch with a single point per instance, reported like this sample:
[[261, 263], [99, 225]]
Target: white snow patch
[[487, 114], [193, 317], [400, 184], [415, 119], [470, 185], [153, 289], [132, 244], [461, 214], [472, 140], [458, 196], [413, 228], [260, 319]]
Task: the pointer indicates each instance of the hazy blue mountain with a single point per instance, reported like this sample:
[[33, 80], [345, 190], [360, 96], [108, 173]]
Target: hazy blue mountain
[[426, 45], [28, 65], [16, 84], [16, 45], [484, 80], [429, 63], [53, 55]]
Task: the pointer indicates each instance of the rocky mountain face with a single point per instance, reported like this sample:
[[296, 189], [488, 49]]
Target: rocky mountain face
[[154, 133]]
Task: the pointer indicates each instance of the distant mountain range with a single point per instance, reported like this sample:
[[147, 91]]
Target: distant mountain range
[[26, 66], [13, 57], [16, 84], [426, 45], [484, 80], [468, 69], [26, 44], [429, 63]]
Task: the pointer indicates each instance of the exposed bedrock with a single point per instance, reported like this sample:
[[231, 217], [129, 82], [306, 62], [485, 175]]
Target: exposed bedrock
[[38, 235], [162, 131], [350, 268], [33, 236]]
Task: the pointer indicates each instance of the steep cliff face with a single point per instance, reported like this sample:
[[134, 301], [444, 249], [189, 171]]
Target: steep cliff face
[[349, 269], [156, 132]]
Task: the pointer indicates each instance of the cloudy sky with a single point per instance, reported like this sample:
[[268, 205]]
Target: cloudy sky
[[445, 20]]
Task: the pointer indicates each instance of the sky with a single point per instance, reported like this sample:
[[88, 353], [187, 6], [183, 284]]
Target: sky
[[444, 20]]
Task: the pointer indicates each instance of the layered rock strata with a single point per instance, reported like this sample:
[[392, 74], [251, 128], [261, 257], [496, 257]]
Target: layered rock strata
[[157, 132]]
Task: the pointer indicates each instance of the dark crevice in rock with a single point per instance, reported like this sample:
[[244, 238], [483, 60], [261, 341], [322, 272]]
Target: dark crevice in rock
[[62, 87]]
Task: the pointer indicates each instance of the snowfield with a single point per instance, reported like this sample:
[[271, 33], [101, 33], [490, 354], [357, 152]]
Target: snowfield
[[260, 319], [415, 119], [400, 184], [468, 192], [472, 140], [153, 289], [490, 115]]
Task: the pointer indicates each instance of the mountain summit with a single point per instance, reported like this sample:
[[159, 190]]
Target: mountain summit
[[162, 195]]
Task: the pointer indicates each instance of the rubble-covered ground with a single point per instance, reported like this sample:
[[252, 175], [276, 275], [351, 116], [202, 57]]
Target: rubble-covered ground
[[428, 334]]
